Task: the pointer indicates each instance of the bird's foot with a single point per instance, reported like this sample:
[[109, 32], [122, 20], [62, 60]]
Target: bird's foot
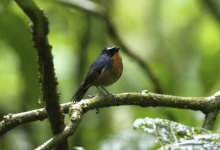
[[103, 91], [106, 92], [91, 96]]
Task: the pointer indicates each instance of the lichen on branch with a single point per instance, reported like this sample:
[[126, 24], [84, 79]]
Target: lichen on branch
[[143, 99]]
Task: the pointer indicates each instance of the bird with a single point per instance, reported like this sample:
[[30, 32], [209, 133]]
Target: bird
[[104, 71]]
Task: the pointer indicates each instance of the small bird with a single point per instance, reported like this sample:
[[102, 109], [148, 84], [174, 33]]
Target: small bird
[[104, 71]]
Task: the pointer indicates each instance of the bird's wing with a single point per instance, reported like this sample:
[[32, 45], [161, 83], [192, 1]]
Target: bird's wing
[[97, 68]]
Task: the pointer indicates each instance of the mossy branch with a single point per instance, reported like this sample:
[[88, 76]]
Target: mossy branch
[[143, 99], [11, 121], [40, 30]]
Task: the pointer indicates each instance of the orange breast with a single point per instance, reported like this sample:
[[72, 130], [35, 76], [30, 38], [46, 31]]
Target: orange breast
[[117, 66], [109, 76]]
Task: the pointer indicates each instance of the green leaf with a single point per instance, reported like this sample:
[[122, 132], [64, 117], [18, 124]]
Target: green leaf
[[172, 135]]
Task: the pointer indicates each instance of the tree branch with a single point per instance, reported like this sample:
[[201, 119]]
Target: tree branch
[[76, 116], [211, 115], [97, 11], [39, 30], [48, 80], [11, 121], [210, 118], [143, 99]]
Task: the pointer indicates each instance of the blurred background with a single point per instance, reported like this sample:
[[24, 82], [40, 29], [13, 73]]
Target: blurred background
[[178, 39]]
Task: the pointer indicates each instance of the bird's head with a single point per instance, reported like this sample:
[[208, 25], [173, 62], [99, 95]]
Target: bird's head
[[110, 50]]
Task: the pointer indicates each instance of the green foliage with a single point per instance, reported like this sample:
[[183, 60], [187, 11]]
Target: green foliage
[[179, 39], [172, 136]]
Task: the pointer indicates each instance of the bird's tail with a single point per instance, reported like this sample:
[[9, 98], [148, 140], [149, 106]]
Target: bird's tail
[[80, 92]]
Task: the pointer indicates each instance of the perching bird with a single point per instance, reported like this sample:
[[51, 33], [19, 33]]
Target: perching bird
[[104, 71]]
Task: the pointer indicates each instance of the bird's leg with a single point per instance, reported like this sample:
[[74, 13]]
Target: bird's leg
[[103, 91], [107, 92], [100, 91]]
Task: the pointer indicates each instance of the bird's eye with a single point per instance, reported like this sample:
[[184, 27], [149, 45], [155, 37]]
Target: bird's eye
[[111, 53]]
